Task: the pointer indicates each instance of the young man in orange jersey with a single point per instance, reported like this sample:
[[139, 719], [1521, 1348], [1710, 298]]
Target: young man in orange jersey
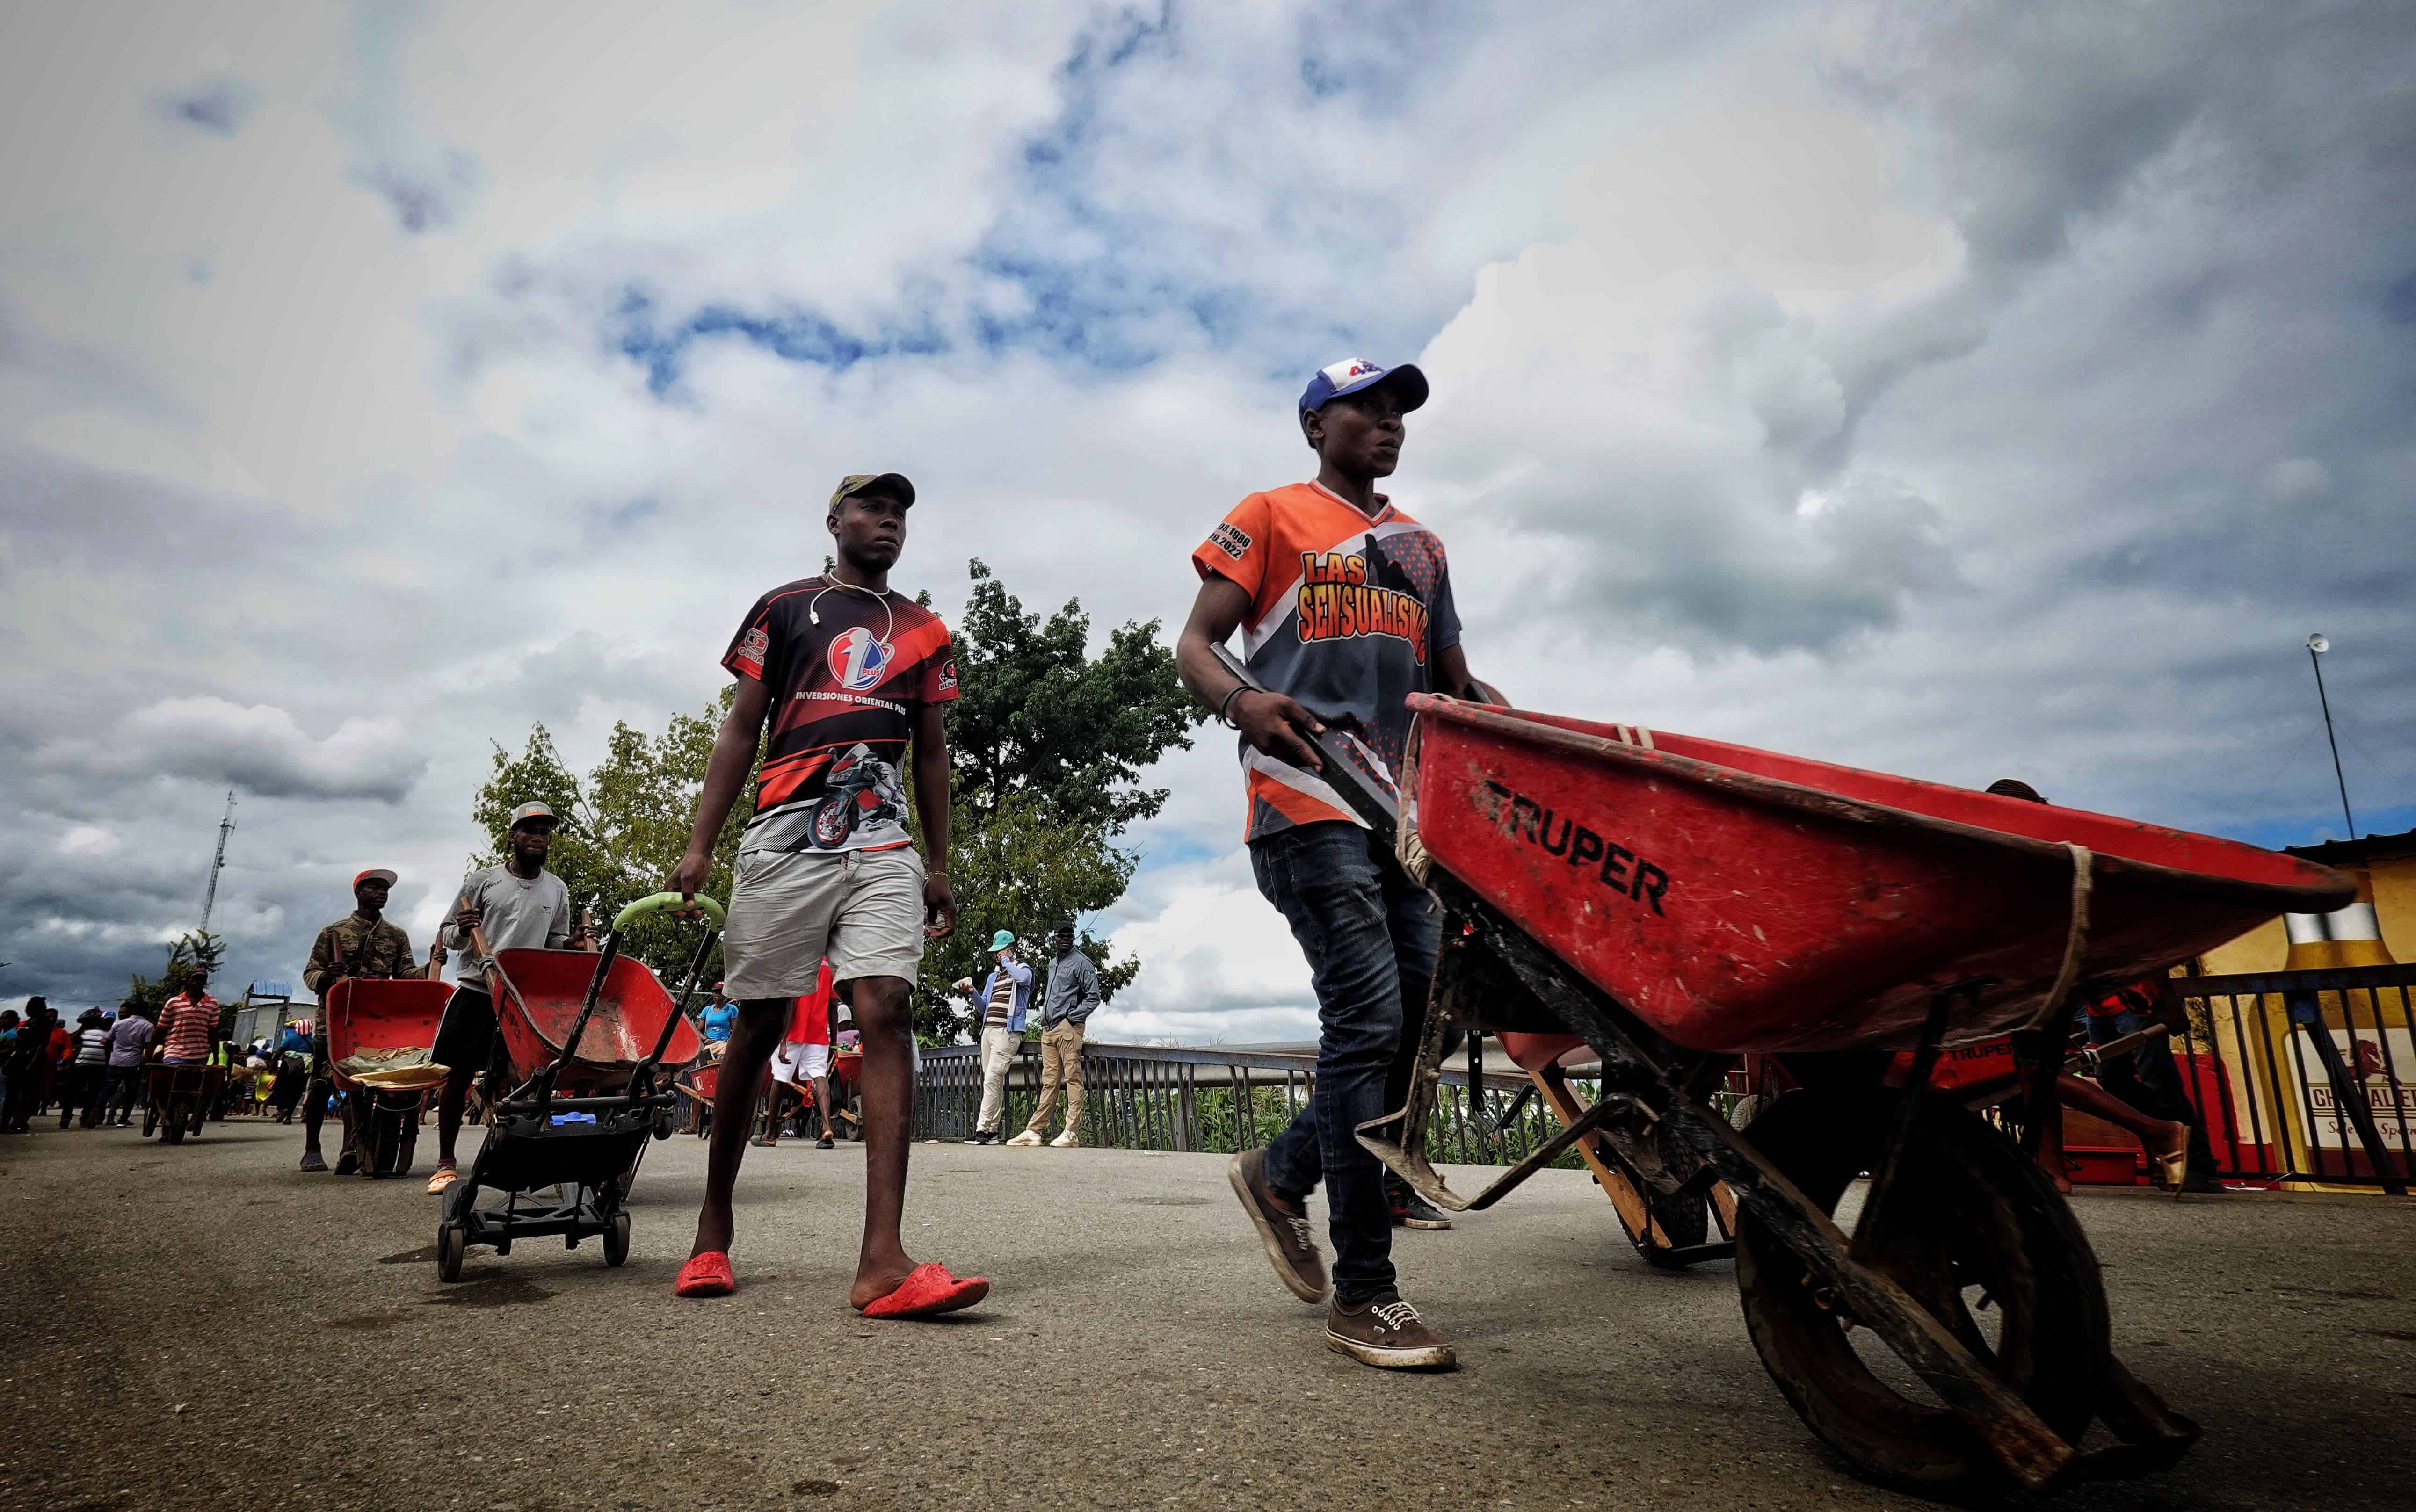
[[848, 677], [1346, 608]]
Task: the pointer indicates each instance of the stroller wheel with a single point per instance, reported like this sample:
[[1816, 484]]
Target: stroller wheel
[[452, 1242], [617, 1240]]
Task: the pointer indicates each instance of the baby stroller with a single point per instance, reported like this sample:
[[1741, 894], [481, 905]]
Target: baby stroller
[[591, 1091]]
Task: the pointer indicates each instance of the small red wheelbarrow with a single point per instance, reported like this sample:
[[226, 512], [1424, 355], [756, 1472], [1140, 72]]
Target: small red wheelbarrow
[[379, 1031], [699, 1083], [593, 1042], [179, 1098], [1669, 903]]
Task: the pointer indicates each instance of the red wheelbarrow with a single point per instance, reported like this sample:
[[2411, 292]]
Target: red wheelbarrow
[[593, 1042], [379, 1031], [699, 1084], [1671, 902]]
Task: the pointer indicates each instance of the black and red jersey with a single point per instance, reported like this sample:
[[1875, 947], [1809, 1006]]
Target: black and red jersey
[[843, 698]]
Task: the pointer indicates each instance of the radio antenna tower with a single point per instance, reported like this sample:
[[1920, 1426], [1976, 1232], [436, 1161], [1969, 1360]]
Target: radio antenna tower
[[226, 827]]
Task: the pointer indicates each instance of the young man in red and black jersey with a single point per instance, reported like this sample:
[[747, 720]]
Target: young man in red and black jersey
[[841, 680]]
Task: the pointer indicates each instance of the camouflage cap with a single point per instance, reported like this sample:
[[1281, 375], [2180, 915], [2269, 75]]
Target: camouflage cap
[[892, 483]]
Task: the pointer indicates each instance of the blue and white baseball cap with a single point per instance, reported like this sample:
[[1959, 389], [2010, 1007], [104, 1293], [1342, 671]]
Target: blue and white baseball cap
[[1352, 375]]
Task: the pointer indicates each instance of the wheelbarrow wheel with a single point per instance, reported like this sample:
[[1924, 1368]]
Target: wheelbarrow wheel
[[452, 1243], [1978, 1238], [617, 1240], [172, 1123], [1685, 1221]]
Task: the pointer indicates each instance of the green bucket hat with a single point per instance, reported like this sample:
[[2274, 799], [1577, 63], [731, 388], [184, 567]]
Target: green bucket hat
[[1000, 940]]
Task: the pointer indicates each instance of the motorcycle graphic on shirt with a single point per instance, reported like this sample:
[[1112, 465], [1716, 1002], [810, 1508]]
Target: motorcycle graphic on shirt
[[860, 792]]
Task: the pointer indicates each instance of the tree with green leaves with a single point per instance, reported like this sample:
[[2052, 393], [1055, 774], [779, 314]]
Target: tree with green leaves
[[195, 950], [1046, 744], [1037, 715], [1016, 871]]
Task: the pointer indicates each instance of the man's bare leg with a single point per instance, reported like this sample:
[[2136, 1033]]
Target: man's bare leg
[[888, 1095], [770, 1104], [2165, 1141], [753, 1040]]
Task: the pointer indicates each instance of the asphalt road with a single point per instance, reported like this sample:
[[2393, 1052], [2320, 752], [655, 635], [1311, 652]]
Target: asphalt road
[[204, 1327]]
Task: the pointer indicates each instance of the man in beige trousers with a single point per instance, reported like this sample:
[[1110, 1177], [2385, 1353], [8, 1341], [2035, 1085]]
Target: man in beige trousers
[[1072, 993]]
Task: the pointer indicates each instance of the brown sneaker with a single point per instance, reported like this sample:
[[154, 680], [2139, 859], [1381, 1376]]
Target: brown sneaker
[[1385, 1332], [1297, 1263]]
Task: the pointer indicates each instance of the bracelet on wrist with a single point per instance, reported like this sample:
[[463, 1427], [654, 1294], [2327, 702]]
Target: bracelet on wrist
[[1224, 717]]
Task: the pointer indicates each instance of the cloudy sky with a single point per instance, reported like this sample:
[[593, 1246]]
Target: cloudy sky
[[1961, 392]]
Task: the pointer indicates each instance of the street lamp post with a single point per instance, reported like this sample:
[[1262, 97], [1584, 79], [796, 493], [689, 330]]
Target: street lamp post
[[2317, 647]]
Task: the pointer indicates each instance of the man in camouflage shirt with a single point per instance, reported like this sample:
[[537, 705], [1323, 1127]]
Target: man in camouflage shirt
[[364, 943]]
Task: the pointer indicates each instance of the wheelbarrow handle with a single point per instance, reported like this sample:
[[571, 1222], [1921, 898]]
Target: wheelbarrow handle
[[1370, 796], [662, 901]]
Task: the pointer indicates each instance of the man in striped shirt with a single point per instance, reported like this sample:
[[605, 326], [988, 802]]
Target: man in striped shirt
[[188, 1024]]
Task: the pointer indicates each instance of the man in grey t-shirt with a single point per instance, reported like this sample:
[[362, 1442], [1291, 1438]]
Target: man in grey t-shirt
[[519, 906]]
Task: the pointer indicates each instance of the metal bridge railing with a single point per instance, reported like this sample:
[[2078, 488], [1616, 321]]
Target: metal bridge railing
[[2307, 1076], [1152, 1098]]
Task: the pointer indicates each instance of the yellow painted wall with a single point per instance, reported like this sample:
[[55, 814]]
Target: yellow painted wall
[[2261, 949], [2394, 903], [2266, 947], [2262, 1108]]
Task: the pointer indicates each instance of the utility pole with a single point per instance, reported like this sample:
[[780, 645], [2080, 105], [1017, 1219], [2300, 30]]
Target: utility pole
[[226, 827], [2317, 647]]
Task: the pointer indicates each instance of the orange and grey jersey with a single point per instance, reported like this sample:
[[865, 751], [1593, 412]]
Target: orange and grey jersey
[[1348, 613]]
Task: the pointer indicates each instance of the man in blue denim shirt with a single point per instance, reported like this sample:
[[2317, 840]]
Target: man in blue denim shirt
[[1346, 608]]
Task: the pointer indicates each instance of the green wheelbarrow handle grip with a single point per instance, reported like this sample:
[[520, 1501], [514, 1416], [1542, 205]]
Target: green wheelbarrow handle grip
[[662, 901]]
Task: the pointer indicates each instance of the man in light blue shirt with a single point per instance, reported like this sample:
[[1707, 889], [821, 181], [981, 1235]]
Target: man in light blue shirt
[[1004, 1001]]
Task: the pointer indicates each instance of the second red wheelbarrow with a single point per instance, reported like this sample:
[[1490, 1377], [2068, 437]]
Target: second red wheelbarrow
[[593, 1040], [1669, 903], [379, 1031]]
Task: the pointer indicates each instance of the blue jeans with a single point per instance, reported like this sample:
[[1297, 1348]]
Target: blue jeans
[[1370, 937]]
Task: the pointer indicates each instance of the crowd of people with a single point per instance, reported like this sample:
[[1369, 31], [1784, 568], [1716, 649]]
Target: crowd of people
[[98, 1066]]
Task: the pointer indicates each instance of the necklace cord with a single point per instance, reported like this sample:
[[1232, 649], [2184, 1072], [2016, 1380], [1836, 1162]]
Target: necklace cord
[[889, 624]]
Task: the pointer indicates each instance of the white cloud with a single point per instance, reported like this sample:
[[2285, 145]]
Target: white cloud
[[88, 839], [2297, 477], [259, 749]]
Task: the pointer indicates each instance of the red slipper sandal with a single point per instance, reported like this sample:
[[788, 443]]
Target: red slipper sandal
[[705, 1275], [927, 1290]]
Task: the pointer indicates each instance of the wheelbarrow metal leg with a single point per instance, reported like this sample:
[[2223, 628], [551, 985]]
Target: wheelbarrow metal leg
[[1869, 1234], [1626, 1198], [2032, 1453], [2154, 1437], [1411, 1167]]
